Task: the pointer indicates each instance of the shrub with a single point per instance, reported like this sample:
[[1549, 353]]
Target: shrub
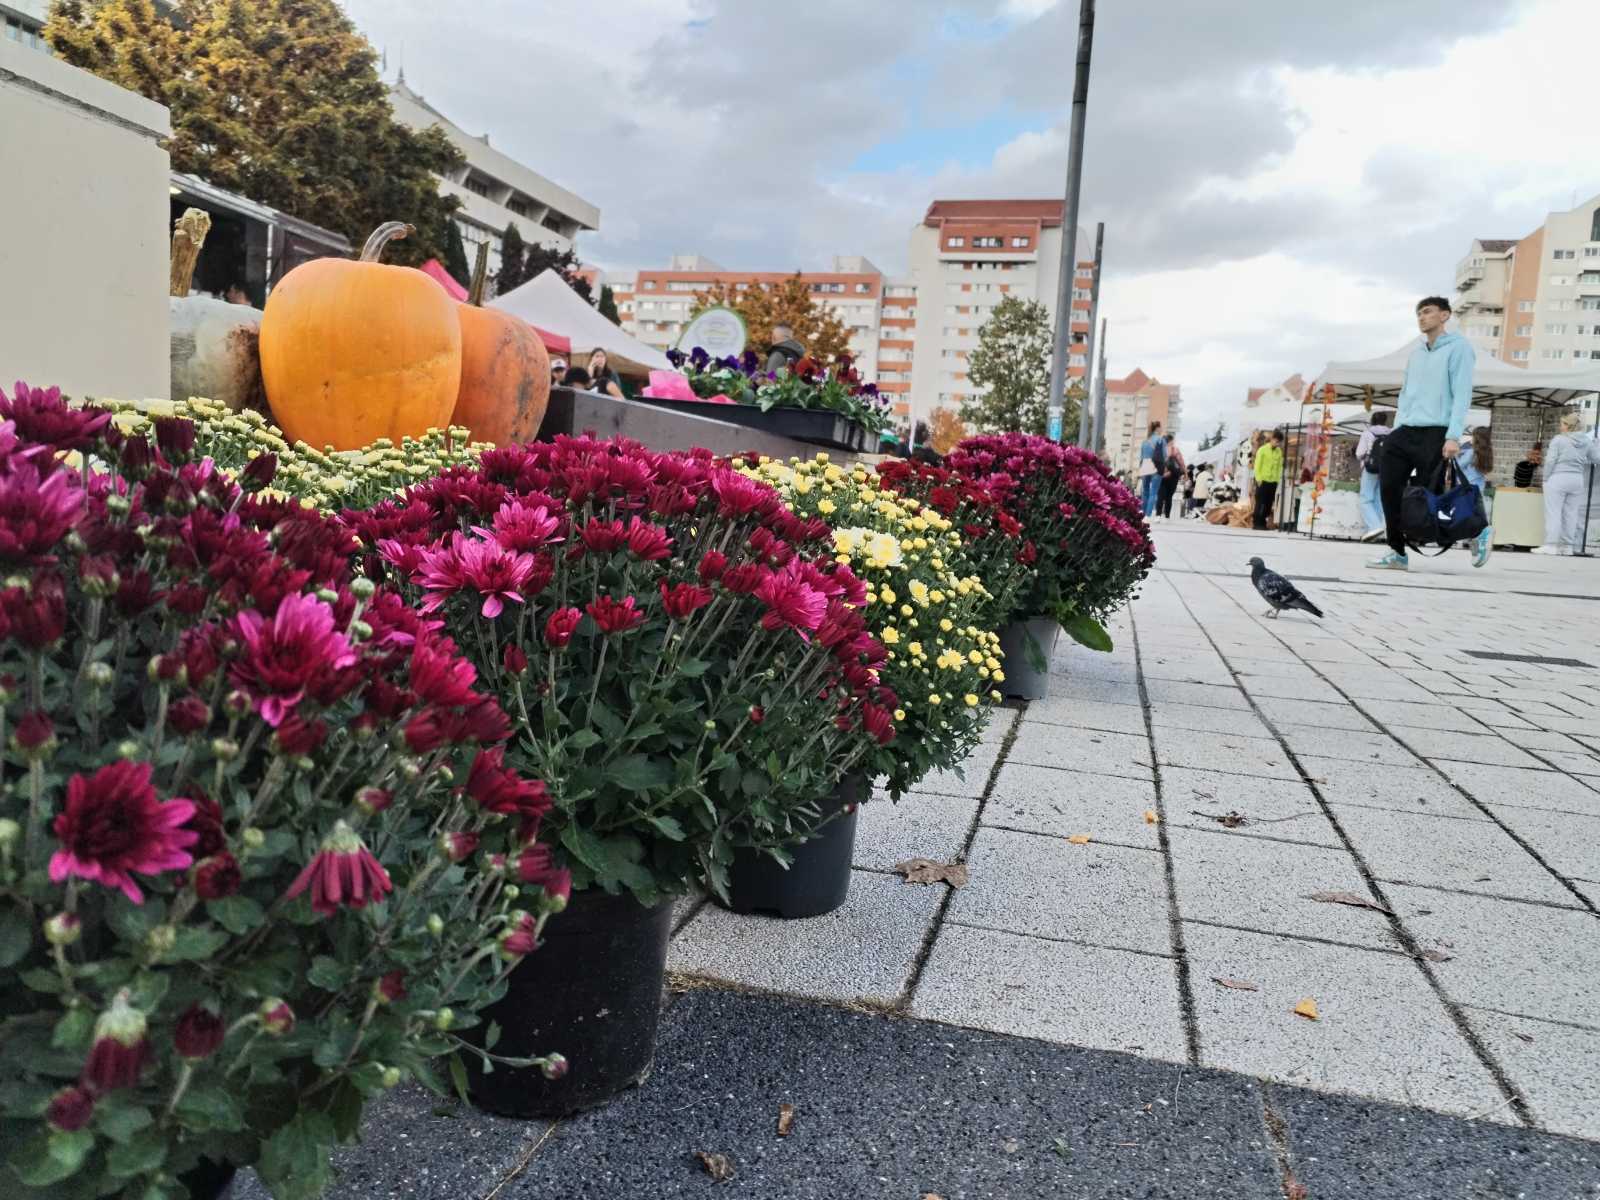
[[258, 850]]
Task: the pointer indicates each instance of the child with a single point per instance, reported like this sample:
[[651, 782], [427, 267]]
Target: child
[[1476, 460]]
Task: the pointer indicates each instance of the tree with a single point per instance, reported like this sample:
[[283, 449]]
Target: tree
[[513, 252], [764, 305], [1012, 364], [608, 305], [455, 257], [278, 100], [1215, 438], [947, 430]]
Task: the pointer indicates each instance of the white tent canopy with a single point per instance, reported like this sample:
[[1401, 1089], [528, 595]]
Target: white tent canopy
[[1380, 378], [547, 301]]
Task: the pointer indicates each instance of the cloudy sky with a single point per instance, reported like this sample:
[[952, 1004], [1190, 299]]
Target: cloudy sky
[[1279, 181]]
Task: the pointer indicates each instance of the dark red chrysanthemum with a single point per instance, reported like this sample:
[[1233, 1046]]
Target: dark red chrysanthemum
[[343, 872], [70, 1109], [536, 865], [283, 657], [712, 565], [113, 825], [42, 416], [35, 511], [217, 877], [498, 790], [120, 1049], [198, 1033], [614, 616], [561, 625], [683, 599]]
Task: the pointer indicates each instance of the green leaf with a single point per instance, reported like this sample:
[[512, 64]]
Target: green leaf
[[491, 1035], [49, 1158], [1086, 631], [120, 1122], [194, 944], [583, 739], [73, 1029], [348, 1101], [667, 827], [458, 1077], [16, 935], [294, 1160], [145, 1151], [329, 974], [638, 772], [693, 668], [236, 914], [205, 1109]]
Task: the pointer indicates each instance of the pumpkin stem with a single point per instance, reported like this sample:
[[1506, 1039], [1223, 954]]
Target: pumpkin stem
[[480, 276], [188, 235], [388, 232]]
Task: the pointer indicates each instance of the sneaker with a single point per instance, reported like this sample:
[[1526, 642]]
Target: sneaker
[[1548, 550], [1482, 548], [1374, 535], [1390, 562]]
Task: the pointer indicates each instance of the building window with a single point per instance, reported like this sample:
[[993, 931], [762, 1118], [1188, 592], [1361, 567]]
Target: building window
[[1589, 277], [1519, 356], [1494, 331], [1594, 227], [1561, 305], [901, 291], [955, 241], [988, 243], [476, 186], [1524, 305], [1589, 304], [1554, 354], [1555, 328], [1591, 251], [1524, 330], [1560, 255], [649, 284], [1020, 243]]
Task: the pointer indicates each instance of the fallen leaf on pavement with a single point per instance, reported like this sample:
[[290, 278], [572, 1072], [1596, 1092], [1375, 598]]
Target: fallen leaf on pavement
[[1228, 820], [1293, 1189], [1150, 817], [1238, 985], [718, 1166], [1307, 1008], [785, 1119], [1079, 839], [1437, 956], [1011, 1145], [1350, 898], [925, 870]]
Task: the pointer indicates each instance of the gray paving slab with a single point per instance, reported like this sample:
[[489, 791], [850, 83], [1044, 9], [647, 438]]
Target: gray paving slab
[[1208, 669], [1062, 803], [1507, 955], [1267, 688], [1411, 789], [1575, 762], [1365, 683], [1257, 883], [1167, 691], [1569, 842], [1223, 752], [1345, 1149], [1424, 716], [1082, 750], [1315, 714], [1271, 807], [1214, 720], [1556, 1067], [999, 725], [1091, 690], [967, 778], [1355, 745], [1447, 852], [1284, 665], [1449, 745], [1055, 991], [863, 951], [1106, 895], [921, 825], [1524, 788], [1351, 1046], [1084, 714], [1543, 740]]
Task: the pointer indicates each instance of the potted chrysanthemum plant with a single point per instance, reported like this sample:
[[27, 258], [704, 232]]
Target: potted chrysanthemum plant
[[1082, 533], [689, 671], [259, 856]]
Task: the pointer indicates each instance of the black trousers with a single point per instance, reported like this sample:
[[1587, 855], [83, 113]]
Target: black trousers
[[1266, 497], [1410, 448], [1169, 486]]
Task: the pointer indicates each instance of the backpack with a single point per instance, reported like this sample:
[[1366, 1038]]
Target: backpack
[[1447, 511], [1375, 456]]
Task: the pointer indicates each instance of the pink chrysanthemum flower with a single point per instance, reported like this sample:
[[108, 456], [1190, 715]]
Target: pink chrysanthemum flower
[[791, 601], [482, 566], [35, 512], [343, 872], [521, 526], [113, 825], [282, 657]]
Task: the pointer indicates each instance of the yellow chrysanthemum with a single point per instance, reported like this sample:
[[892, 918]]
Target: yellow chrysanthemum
[[890, 636], [972, 701]]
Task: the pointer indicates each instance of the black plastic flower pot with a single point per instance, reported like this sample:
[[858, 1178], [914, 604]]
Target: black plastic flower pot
[[818, 881], [591, 992]]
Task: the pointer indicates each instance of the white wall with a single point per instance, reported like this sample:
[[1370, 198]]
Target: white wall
[[83, 231]]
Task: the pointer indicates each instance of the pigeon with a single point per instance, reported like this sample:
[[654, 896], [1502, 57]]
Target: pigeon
[[1278, 591]]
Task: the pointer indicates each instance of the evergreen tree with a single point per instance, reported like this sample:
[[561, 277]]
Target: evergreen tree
[[542, 258], [277, 100], [608, 305], [512, 273], [1215, 438], [455, 257]]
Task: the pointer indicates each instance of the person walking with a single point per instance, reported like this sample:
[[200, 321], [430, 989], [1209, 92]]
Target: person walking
[[1430, 420], [1268, 470], [1188, 490], [1202, 489], [1152, 463], [1369, 453], [1567, 460], [1476, 460], [1171, 476]]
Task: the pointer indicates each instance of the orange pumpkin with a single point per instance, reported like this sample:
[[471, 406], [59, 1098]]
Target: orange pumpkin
[[505, 370], [355, 351]]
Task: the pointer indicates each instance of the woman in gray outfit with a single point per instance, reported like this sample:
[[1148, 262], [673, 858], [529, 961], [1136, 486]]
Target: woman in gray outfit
[[1567, 459]]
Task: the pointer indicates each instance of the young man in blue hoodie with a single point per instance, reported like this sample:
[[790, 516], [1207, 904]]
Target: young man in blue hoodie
[[1431, 420]]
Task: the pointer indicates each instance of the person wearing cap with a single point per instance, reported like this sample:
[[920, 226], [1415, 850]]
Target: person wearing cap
[[558, 372]]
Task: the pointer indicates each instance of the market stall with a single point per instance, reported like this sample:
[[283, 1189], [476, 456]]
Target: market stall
[[546, 302]]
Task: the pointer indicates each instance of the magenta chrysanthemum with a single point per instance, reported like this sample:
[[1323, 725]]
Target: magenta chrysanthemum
[[791, 601], [113, 824], [482, 566], [343, 872], [35, 512], [282, 657], [523, 527]]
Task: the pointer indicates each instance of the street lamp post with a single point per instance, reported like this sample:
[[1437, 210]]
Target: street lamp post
[[1069, 221]]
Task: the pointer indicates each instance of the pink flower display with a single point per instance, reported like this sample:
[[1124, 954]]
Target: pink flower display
[[281, 658], [113, 825], [791, 601], [615, 616], [342, 873], [523, 526], [479, 565]]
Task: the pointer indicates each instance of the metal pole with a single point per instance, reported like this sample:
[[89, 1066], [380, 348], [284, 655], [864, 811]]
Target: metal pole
[[1069, 220], [1088, 349], [1099, 439]]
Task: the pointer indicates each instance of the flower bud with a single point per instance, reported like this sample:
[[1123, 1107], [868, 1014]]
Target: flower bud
[[373, 800], [362, 588], [435, 924], [35, 737], [327, 595], [457, 845], [360, 630], [117, 505], [253, 838], [444, 773], [444, 1019], [160, 940], [128, 748], [10, 831], [711, 726], [236, 703], [390, 987], [276, 1017], [198, 1033], [410, 768], [553, 1066], [512, 891], [70, 1109], [757, 714], [225, 749], [391, 1077], [99, 675]]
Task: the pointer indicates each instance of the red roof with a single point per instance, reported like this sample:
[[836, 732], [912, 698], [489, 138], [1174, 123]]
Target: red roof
[[1132, 383], [1046, 212], [1255, 394]]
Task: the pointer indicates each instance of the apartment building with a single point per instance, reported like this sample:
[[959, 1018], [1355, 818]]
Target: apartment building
[[965, 257], [1131, 404], [495, 190], [1535, 301]]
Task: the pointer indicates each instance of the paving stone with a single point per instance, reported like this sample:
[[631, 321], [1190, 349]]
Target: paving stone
[[1569, 842], [1207, 669], [1542, 740], [1347, 1149], [1215, 720], [1557, 1067], [1165, 691], [863, 951], [1447, 745], [968, 778], [1257, 883], [1062, 803], [1265, 689], [1423, 716], [1272, 807], [1440, 851], [919, 826], [1093, 691], [999, 725], [1013, 984], [408, 1151], [1287, 666], [1524, 788], [1224, 752], [1410, 789], [1314, 714], [1081, 714], [1368, 684], [1511, 956], [1082, 750], [1352, 1046], [1573, 762], [1102, 894], [1346, 743]]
